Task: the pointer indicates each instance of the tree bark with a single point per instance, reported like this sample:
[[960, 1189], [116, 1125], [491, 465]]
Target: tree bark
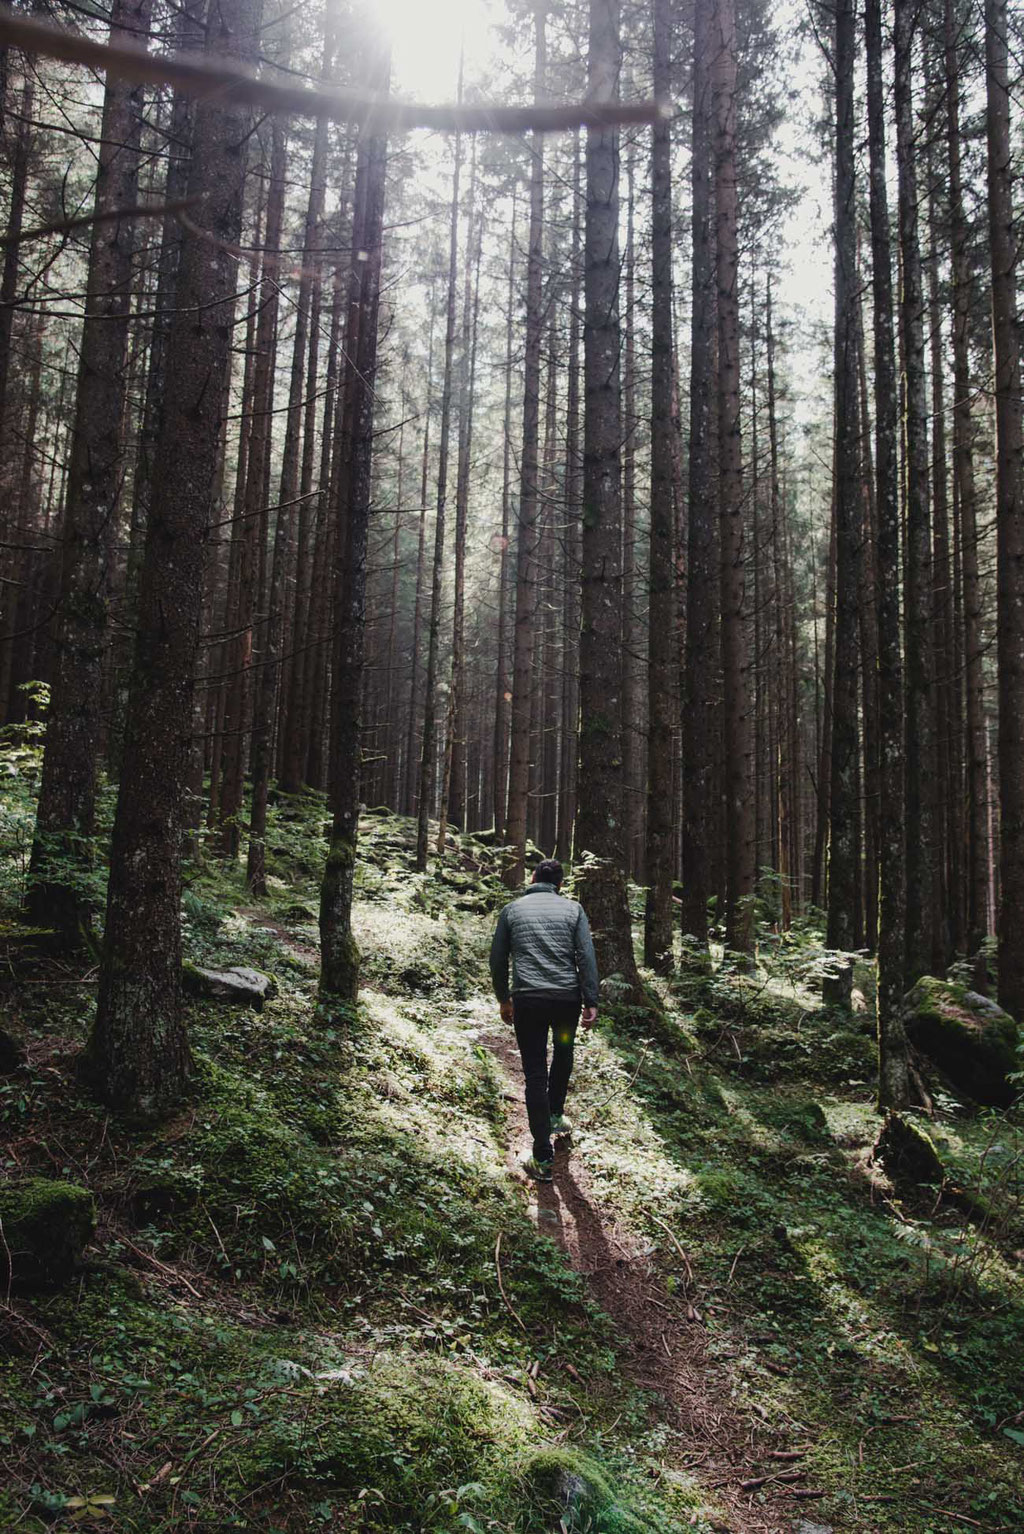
[[527, 524], [339, 972], [920, 723], [67, 797], [700, 661], [662, 658], [966, 499], [138, 1055], [844, 850], [599, 824], [738, 733], [893, 1075], [1009, 514], [428, 763]]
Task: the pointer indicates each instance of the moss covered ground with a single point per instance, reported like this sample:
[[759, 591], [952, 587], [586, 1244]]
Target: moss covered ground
[[297, 1312]]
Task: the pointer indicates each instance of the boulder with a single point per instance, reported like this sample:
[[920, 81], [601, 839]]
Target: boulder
[[46, 1226], [566, 1491], [907, 1153], [966, 1037], [238, 984]]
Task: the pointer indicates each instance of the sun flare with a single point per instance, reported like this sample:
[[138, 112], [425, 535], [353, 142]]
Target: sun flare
[[426, 40]]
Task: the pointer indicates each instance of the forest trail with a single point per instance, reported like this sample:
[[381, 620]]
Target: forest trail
[[662, 1345]]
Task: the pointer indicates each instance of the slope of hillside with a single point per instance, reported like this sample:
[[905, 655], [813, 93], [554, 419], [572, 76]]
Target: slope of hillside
[[323, 1297]]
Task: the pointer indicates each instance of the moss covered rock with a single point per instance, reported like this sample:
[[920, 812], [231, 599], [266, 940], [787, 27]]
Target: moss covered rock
[[967, 1037], [46, 1226], [566, 1491]]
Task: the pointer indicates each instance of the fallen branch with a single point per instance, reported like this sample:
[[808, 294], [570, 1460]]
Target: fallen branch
[[497, 1264], [767, 1480], [199, 75], [160, 1266], [671, 1236]]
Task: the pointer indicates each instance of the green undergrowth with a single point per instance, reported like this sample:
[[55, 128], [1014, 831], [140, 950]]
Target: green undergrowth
[[884, 1326], [292, 1315], [316, 1298]]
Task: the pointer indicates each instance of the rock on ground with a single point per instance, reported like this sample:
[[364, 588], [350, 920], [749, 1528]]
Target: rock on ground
[[237, 984], [966, 1037]]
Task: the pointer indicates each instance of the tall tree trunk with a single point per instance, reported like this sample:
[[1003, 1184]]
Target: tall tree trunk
[[527, 525], [339, 973], [963, 472], [920, 724], [738, 732], [314, 687], [948, 930], [784, 765], [869, 650], [12, 249], [417, 618], [599, 825], [502, 680], [632, 743], [1009, 514], [700, 662], [272, 613], [248, 620], [307, 305], [138, 1054], [844, 851], [67, 795], [452, 790], [428, 762], [573, 534], [662, 659], [893, 1076]]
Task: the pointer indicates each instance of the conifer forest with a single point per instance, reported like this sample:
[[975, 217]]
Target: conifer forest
[[436, 438]]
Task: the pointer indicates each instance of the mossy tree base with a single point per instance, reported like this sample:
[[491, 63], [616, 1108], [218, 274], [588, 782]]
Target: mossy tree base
[[601, 889], [340, 957]]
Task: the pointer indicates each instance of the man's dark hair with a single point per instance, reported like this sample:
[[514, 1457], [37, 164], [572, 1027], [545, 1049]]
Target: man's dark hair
[[549, 871]]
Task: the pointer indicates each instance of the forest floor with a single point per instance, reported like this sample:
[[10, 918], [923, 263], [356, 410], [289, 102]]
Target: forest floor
[[325, 1297]]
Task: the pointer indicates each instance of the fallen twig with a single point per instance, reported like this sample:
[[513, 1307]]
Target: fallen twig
[[766, 1480], [161, 1266], [671, 1236], [497, 1265]]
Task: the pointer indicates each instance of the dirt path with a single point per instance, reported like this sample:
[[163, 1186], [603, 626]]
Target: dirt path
[[663, 1346]]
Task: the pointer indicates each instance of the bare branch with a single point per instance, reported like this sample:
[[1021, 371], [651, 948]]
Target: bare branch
[[202, 76], [111, 216]]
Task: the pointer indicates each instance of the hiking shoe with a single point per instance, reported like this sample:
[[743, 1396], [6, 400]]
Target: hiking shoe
[[560, 1125], [540, 1171]]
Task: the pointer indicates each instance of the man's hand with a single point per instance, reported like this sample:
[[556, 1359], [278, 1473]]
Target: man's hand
[[505, 1008], [589, 1017]]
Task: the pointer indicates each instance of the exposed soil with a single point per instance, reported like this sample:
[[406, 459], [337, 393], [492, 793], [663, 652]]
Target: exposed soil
[[663, 1345]]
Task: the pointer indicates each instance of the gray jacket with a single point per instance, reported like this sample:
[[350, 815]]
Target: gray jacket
[[548, 939]]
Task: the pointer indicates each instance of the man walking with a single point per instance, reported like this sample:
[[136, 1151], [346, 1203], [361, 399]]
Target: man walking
[[553, 971]]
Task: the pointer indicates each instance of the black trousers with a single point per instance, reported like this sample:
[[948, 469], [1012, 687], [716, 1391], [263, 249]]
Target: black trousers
[[545, 1088]]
